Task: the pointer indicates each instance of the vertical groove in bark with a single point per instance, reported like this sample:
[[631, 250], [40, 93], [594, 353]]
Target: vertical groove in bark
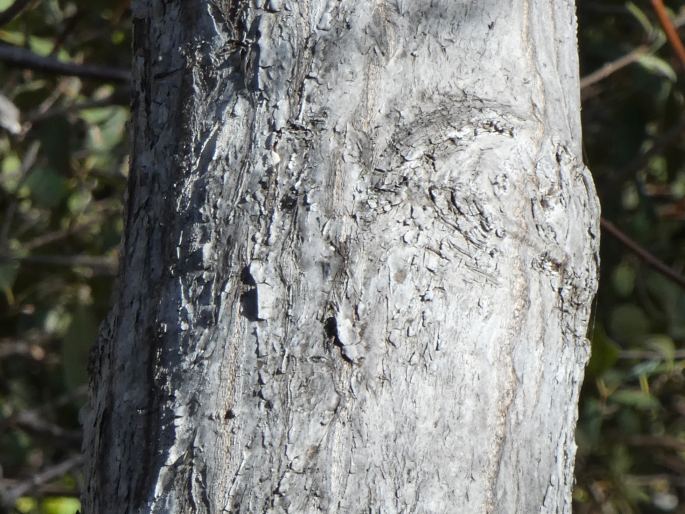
[[360, 253]]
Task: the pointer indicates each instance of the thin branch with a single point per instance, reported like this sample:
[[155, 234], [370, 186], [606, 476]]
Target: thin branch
[[663, 441], [30, 422], [43, 490], [621, 62], [612, 67], [648, 355], [677, 480], [117, 98], [24, 58], [649, 259], [98, 209], [13, 11], [12, 347], [73, 395], [669, 29], [99, 264], [10, 496]]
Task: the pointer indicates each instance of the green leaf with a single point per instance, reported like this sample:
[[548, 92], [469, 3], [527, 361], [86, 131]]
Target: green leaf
[[646, 368], [604, 353], [79, 200], [10, 174], [26, 505], [39, 45], [658, 66], [60, 505], [623, 279], [664, 345], [76, 346], [628, 323], [46, 187], [635, 398], [630, 198], [8, 274], [641, 17], [107, 127]]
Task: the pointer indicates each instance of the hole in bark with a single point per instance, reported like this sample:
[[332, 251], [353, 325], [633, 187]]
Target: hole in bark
[[331, 327], [249, 304], [246, 277], [230, 414], [288, 202]]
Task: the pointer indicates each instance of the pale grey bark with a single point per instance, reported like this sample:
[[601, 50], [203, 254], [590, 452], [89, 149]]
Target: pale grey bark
[[360, 253]]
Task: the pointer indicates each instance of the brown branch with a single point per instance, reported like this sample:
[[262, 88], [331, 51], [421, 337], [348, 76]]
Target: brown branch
[[649, 259], [612, 67], [13, 11], [23, 58], [621, 62], [669, 29]]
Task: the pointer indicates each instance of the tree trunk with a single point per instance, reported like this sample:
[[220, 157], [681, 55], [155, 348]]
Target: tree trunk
[[359, 258]]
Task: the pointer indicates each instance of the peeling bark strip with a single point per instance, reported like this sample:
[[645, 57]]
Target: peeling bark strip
[[360, 253]]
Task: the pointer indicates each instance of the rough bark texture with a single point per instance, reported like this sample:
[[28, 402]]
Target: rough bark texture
[[360, 253]]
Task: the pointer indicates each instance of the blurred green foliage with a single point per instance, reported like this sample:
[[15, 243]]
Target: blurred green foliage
[[62, 181], [631, 433]]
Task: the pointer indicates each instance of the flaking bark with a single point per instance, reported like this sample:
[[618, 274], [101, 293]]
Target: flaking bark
[[359, 258]]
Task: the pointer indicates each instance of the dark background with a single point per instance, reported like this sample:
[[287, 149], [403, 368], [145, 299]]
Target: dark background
[[62, 181]]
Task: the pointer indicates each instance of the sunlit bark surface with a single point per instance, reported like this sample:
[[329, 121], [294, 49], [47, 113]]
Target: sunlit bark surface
[[360, 252]]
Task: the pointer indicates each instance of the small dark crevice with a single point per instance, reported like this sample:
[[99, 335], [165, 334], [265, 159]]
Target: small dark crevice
[[288, 202], [249, 304], [330, 327]]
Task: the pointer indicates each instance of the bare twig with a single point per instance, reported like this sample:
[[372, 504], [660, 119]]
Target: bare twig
[[612, 67], [30, 422], [23, 58], [99, 209], [670, 30], [99, 264], [663, 441], [634, 55], [677, 480], [43, 490], [11, 495], [33, 420], [12, 347], [13, 11], [647, 355], [116, 98], [642, 253]]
